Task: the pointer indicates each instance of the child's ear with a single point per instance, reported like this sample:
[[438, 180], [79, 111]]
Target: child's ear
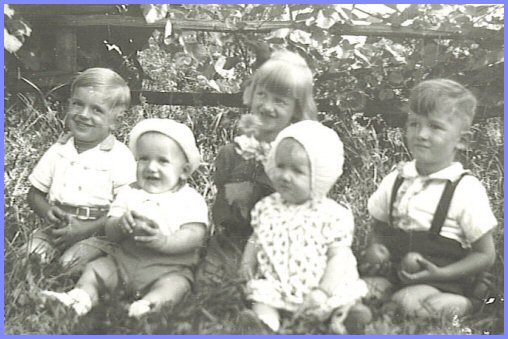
[[186, 171], [465, 139]]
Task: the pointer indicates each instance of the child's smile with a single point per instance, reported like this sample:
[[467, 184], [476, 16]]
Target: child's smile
[[89, 118], [274, 110], [160, 163]]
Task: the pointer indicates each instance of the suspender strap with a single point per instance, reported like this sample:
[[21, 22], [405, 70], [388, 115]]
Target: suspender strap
[[395, 188], [443, 206]]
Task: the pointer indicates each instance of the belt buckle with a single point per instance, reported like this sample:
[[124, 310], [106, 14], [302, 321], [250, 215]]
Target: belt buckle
[[86, 213]]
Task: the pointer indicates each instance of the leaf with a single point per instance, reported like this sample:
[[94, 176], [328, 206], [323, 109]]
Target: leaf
[[395, 77], [11, 43], [280, 33], [154, 13], [326, 19], [300, 37], [8, 11], [386, 94], [304, 16]]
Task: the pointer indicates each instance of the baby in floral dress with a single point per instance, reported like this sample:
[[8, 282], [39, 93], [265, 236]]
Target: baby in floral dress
[[299, 258]]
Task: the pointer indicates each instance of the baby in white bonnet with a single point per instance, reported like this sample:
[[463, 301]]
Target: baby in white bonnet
[[299, 257]]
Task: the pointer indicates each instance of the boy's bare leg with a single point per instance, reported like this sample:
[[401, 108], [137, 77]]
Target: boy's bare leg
[[448, 304], [168, 289], [79, 254]]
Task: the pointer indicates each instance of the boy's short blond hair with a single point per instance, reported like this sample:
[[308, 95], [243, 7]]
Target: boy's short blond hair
[[108, 81], [286, 73], [429, 95]]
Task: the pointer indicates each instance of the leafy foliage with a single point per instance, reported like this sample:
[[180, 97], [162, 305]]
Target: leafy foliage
[[350, 71]]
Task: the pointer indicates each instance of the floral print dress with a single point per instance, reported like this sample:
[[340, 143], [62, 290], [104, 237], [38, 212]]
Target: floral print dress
[[293, 243]]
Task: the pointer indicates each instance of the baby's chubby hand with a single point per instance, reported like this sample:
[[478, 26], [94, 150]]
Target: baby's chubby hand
[[312, 305], [134, 224]]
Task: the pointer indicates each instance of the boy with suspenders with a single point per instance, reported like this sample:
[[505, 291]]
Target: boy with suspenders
[[431, 217]]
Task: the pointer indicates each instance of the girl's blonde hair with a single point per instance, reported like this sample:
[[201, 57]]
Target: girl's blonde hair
[[286, 73], [107, 81]]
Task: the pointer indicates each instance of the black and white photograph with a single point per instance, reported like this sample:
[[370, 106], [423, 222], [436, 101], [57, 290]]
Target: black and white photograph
[[269, 169]]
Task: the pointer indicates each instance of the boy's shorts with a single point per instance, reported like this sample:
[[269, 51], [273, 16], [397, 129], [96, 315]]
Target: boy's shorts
[[41, 243]]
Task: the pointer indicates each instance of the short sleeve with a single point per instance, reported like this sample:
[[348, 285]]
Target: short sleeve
[[476, 217], [254, 215], [42, 174], [223, 164], [124, 168], [338, 227], [121, 202], [379, 202], [194, 208]]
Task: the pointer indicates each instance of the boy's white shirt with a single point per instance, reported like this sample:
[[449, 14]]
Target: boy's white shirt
[[469, 217], [170, 210], [90, 178]]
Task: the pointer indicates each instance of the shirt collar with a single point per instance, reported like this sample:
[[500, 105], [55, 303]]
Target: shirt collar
[[106, 145], [452, 172]]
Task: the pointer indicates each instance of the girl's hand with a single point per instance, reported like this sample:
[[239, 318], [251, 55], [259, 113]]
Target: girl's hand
[[65, 237], [429, 272], [57, 217]]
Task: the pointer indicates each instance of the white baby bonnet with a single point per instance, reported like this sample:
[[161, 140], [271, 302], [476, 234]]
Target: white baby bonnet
[[324, 149]]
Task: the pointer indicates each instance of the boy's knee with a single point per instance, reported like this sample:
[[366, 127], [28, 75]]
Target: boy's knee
[[79, 255], [40, 244], [411, 300], [448, 305]]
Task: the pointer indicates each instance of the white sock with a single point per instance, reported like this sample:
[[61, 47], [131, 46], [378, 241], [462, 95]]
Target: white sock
[[139, 308], [76, 298]]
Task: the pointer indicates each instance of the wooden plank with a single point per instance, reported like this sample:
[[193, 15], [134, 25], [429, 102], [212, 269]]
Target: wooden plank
[[252, 26], [66, 50], [393, 116], [189, 99]]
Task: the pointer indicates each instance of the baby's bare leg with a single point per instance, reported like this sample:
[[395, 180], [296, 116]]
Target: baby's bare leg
[[103, 268], [268, 315], [98, 273], [171, 288]]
